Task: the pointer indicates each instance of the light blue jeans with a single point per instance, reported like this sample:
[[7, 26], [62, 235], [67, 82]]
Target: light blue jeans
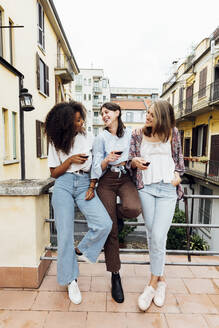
[[70, 189], [158, 201]]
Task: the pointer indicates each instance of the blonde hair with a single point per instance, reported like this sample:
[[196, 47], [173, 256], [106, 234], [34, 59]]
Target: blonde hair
[[164, 121]]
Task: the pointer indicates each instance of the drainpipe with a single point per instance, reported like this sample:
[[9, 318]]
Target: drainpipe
[[22, 148]]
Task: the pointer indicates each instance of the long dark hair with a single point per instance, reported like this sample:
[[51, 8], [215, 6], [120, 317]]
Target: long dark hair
[[114, 107], [164, 120], [59, 124]]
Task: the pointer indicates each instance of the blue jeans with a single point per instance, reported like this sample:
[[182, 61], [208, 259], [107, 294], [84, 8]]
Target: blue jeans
[[70, 189], [158, 202]]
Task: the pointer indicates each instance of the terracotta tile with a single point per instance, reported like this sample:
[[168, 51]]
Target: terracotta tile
[[66, 320], [216, 282], [52, 271], [134, 284], [51, 301], [24, 319], [11, 277], [178, 272], [215, 300], [101, 284], [205, 272], [212, 320], [201, 286], [176, 286], [129, 305], [50, 284], [142, 270], [134, 257], [127, 270], [98, 269], [91, 302], [186, 320], [146, 320], [106, 320], [196, 304], [170, 306], [17, 300]]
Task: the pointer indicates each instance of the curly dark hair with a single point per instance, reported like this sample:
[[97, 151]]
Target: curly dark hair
[[114, 107], [59, 124]]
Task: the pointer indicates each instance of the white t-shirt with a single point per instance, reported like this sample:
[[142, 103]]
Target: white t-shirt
[[82, 145]]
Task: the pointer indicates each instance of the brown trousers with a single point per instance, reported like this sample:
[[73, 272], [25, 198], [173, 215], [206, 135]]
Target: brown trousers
[[109, 187]]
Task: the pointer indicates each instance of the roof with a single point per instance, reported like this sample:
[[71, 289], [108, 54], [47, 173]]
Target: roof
[[134, 104]]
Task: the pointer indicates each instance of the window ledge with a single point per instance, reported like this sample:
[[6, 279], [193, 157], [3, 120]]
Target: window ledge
[[43, 94], [10, 162], [41, 49]]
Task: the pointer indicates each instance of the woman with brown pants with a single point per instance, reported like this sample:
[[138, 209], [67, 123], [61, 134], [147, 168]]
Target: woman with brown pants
[[110, 153]]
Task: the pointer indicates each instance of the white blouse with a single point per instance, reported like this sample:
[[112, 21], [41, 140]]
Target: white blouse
[[82, 144], [161, 166]]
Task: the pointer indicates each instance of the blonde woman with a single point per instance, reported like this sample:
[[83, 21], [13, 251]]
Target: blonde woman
[[156, 163]]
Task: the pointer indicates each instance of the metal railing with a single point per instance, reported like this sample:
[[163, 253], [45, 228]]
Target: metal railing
[[188, 226], [208, 169]]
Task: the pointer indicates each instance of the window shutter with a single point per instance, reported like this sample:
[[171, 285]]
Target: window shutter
[[38, 139], [194, 141], [47, 79], [205, 133], [38, 70], [202, 83]]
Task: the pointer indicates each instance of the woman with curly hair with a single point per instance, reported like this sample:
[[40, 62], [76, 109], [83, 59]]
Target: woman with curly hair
[[110, 151], [156, 160], [69, 160]]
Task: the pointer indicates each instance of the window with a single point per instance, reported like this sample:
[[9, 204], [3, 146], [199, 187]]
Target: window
[[41, 27], [42, 76], [96, 114], [58, 54], [95, 131], [41, 140], [104, 98], [205, 206], [104, 83], [1, 35], [199, 140], [85, 97], [189, 99], [89, 96], [181, 98], [129, 117], [6, 151], [14, 134], [11, 42], [202, 83], [79, 97]]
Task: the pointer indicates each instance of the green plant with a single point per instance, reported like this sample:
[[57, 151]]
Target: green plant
[[177, 236], [126, 230]]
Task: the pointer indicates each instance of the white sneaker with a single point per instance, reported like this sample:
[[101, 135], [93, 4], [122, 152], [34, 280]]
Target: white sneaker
[[145, 299], [159, 297], [74, 292]]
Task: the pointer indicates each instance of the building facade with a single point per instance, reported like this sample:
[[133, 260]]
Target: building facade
[[134, 93], [193, 91], [92, 89], [33, 44]]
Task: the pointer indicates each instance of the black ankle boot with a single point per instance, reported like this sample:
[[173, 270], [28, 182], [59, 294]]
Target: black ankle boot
[[117, 291]]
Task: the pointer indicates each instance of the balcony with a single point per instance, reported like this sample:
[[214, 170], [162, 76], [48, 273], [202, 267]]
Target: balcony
[[64, 74], [97, 89], [97, 104], [198, 103], [202, 168]]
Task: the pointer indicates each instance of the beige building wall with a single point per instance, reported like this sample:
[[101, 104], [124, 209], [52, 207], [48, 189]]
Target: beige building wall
[[25, 49]]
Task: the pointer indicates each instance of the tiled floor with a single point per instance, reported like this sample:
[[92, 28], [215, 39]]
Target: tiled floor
[[192, 299]]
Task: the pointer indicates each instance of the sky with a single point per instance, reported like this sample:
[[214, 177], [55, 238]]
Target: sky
[[135, 41]]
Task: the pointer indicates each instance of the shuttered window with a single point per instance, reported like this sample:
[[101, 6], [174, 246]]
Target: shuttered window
[[41, 140], [202, 83], [1, 36], [181, 98], [189, 98], [199, 140], [42, 71], [41, 26]]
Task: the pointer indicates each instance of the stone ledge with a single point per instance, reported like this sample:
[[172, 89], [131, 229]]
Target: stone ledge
[[28, 187]]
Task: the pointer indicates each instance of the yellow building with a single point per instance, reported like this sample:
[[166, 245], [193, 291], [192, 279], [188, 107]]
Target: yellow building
[[34, 54], [193, 91]]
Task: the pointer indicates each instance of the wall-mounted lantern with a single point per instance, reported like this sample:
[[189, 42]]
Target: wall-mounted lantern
[[26, 100]]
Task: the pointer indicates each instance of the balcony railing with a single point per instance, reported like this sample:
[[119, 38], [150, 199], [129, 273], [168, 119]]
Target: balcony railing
[[201, 99], [97, 89], [208, 169]]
